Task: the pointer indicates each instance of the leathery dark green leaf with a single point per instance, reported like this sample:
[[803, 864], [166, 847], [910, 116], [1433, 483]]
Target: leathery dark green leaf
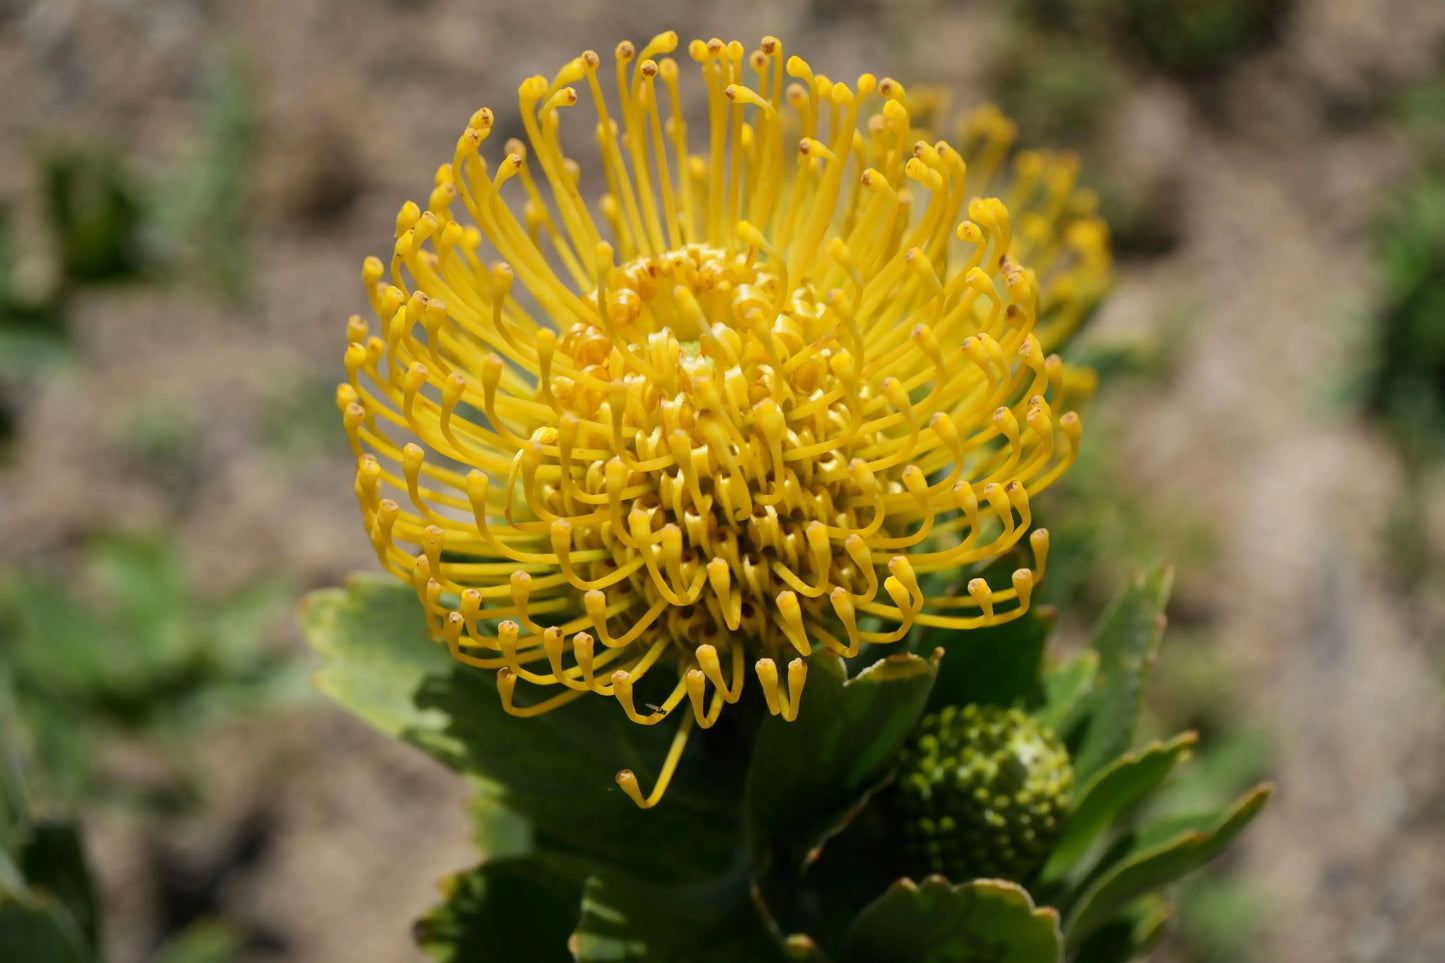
[[626, 920], [506, 910], [808, 774], [376, 653], [1134, 932], [53, 861], [37, 927], [996, 665], [556, 769], [984, 921]]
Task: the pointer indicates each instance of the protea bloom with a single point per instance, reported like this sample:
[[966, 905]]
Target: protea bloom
[[731, 414]]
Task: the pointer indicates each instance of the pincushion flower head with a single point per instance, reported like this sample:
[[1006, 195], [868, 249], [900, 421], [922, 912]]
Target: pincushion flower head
[[730, 413]]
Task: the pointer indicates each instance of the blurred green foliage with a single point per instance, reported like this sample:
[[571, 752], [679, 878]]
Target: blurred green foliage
[[164, 440], [202, 213], [1421, 110], [31, 331], [299, 417], [204, 941], [1057, 89], [93, 210], [93, 207], [1060, 68], [103, 223], [130, 648], [1402, 384], [1224, 919], [1104, 525], [1104, 520], [1406, 386], [49, 907], [1184, 38], [1195, 37]]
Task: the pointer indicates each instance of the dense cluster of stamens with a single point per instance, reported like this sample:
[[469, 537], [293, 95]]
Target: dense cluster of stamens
[[731, 421]]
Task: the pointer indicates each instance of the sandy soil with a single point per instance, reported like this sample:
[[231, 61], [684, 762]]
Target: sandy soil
[[1279, 169]]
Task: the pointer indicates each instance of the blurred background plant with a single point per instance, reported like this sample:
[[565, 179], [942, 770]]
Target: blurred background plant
[[127, 649], [103, 224], [49, 905], [1403, 380]]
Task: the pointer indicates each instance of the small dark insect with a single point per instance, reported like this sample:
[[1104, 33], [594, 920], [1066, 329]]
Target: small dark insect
[[656, 710]]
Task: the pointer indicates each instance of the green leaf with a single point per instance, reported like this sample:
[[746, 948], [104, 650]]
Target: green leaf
[[1126, 639], [12, 881], [1066, 693], [38, 928], [204, 941], [53, 862], [1155, 856], [1128, 936], [1223, 916], [1113, 789], [998, 665], [505, 910], [145, 581], [56, 644], [557, 769], [985, 921], [808, 775], [499, 832], [370, 634], [14, 806], [716, 921], [239, 623]]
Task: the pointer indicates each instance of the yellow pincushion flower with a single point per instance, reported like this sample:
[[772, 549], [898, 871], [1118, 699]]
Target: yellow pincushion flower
[[729, 416]]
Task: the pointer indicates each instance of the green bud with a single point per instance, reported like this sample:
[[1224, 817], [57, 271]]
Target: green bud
[[982, 791]]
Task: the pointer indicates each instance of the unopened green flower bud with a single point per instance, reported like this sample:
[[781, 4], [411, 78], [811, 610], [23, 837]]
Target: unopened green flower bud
[[982, 791]]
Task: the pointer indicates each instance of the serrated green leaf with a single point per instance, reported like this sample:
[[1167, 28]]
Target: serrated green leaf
[[1128, 936], [985, 921], [36, 927], [557, 769], [53, 862], [1126, 639], [807, 775], [506, 910], [998, 665], [626, 920], [1158, 856], [376, 654], [1112, 789], [1066, 691]]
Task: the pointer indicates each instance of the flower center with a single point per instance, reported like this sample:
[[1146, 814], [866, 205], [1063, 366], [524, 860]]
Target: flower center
[[735, 417]]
